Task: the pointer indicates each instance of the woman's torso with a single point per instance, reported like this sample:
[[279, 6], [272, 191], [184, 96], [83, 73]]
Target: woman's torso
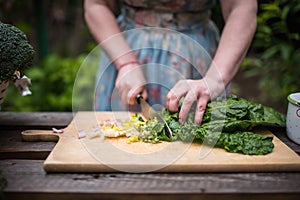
[[171, 5], [176, 15]]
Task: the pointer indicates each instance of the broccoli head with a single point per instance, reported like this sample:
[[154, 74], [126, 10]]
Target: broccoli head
[[15, 51]]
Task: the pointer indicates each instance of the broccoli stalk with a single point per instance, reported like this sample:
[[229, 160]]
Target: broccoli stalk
[[15, 51]]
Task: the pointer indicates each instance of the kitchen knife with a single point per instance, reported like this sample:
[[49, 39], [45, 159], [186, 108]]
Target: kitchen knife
[[149, 113]]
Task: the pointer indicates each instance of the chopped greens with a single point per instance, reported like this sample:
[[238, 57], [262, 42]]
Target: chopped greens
[[226, 124]]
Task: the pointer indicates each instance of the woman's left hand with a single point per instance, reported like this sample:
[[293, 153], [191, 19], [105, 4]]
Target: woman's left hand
[[240, 17], [199, 91]]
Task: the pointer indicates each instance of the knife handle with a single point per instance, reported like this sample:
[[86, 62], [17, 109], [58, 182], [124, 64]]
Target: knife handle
[[138, 98]]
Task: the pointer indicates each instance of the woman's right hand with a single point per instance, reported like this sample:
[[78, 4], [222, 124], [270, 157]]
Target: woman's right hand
[[130, 82]]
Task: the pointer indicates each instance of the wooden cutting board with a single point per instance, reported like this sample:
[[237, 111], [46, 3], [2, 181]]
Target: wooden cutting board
[[100, 154]]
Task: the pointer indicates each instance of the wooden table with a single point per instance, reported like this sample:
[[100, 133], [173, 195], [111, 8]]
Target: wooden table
[[22, 166]]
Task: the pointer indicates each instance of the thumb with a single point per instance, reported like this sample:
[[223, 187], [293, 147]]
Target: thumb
[[144, 94], [133, 94]]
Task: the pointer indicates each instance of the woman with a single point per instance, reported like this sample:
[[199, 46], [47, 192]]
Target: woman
[[192, 19]]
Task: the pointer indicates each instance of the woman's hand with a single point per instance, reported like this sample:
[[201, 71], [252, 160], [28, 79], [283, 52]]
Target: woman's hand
[[130, 82], [194, 91], [103, 25], [240, 17]]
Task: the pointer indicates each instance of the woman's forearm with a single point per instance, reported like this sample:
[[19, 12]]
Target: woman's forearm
[[240, 26], [102, 24]]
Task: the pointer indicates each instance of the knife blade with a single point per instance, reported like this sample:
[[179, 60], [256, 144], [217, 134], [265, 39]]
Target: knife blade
[[149, 113]]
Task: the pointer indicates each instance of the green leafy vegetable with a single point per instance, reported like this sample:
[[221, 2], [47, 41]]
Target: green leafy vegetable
[[226, 124]]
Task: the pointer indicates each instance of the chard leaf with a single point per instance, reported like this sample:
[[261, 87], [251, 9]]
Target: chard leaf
[[227, 123]]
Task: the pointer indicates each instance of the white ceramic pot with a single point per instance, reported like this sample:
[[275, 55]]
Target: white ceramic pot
[[293, 117], [3, 87]]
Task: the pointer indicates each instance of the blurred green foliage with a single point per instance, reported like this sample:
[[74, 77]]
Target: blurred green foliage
[[275, 51], [52, 86], [69, 42]]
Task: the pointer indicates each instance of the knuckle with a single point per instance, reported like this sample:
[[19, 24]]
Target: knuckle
[[201, 108], [205, 93], [168, 97], [190, 98], [188, 101], [172, 97]]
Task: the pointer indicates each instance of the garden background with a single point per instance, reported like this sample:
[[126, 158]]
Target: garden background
[[57, 31]]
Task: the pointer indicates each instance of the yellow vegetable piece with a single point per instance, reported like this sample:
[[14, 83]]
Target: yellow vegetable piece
[[133, 138]]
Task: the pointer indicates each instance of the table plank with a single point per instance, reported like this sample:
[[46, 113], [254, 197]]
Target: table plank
[[143, 196], [28, 177], [280, 132], [11, 125], [12, 147], [37, 120]]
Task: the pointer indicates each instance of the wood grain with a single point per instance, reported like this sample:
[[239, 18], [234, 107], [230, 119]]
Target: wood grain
[[39, 120], [26, 177], [280, 132], [47, 120], [13, 147], [108, 155]]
